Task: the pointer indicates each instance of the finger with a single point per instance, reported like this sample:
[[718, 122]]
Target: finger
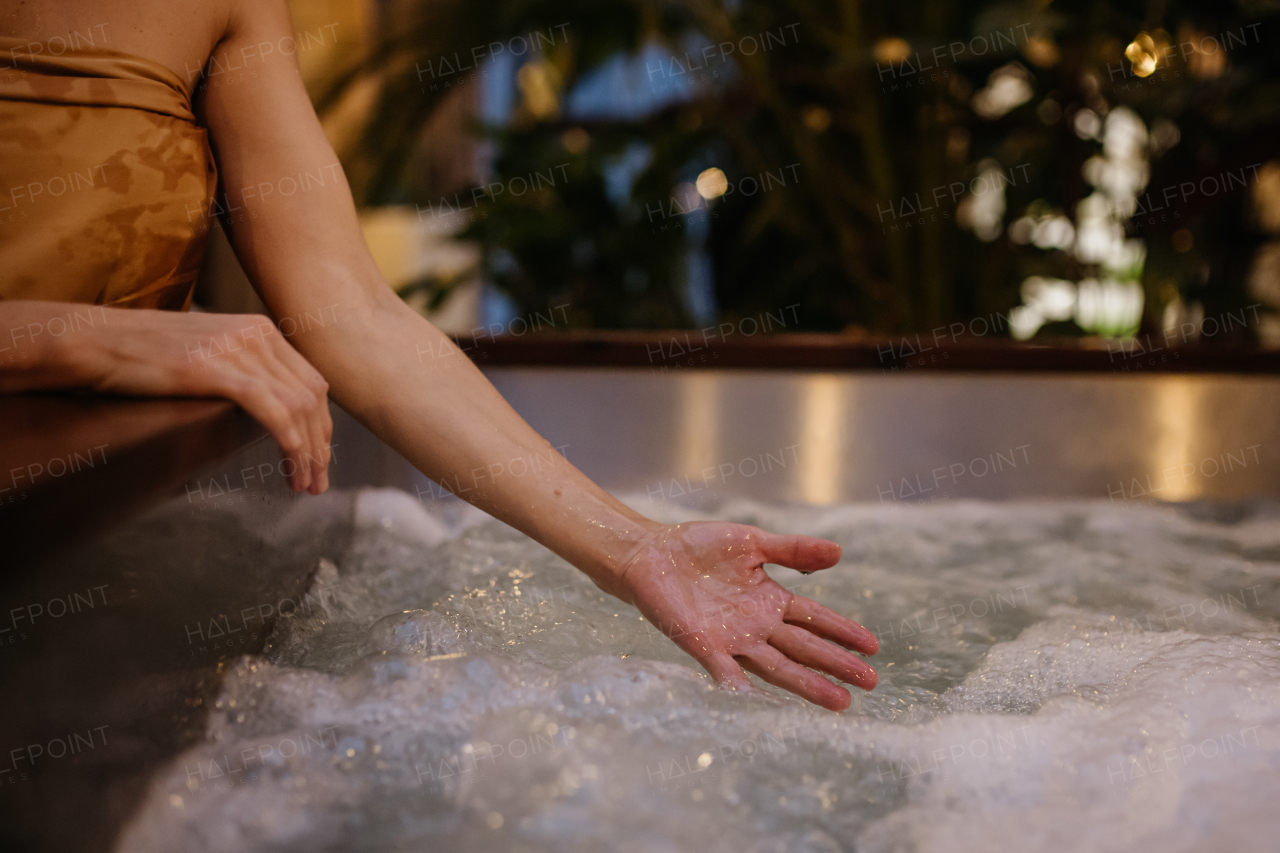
[[324, 423], [318, 419], [803, 553], [318, 464], [300, 479], [253, 395], [301, 403], [829, 625], [780, 671], [263, 398], [260, 336], [725, 670], [806, 649]]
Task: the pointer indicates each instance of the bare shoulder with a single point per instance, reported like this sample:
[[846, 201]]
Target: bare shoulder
[[255, 58], [246, 16], [257, 35]]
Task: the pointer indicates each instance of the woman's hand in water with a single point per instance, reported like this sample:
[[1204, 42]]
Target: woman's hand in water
[[703, 585], [168, 354]]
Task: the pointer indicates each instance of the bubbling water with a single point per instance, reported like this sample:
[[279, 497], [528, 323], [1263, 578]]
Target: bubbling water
[[1053, 676]]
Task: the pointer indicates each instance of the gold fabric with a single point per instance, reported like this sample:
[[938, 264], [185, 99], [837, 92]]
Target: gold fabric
[[105, 179]]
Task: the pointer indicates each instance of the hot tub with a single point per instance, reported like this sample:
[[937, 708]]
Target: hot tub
[[1075, 580]]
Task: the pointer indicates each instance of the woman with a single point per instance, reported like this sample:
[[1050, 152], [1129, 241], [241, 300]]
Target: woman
[[114, 138]]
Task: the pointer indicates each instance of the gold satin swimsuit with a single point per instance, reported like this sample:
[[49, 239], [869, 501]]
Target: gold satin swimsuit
[[105, 179]]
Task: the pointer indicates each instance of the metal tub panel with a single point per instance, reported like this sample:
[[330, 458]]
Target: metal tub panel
[[857, 436]]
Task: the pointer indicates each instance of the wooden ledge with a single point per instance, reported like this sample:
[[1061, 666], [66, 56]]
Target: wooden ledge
[[662, 352], [72, 465]]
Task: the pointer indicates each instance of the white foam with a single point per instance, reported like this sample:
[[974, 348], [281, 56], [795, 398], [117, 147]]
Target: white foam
[[392, 509], [1054, 676]]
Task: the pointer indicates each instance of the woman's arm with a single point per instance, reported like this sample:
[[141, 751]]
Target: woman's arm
[[298, 238], [296, 233], [56, 345]]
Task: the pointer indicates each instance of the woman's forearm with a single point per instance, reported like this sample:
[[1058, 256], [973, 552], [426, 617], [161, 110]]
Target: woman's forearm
[[415, 389]]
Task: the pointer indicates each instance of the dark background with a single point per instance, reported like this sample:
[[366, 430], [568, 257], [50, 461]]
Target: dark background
[[859, 112]]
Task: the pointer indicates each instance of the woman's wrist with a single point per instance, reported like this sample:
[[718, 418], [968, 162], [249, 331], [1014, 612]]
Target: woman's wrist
[[610, 544]]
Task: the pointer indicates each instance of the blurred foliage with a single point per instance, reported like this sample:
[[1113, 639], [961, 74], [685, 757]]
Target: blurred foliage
[[863, 139]]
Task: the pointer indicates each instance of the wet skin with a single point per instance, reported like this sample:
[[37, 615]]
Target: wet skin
[[703, 584]]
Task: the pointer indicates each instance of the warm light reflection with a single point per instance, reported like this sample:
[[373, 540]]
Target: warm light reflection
[[1041, 51], [891, 49], [539, 82], [1142, 55], [1208, 57], [816, 118], [575, 140], [1266, 197], [712, 183], [1176, 404], [699, 434], [1008, 87], [822, 430]]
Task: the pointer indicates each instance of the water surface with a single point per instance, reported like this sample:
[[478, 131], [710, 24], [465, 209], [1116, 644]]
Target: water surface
[[1053, 676]]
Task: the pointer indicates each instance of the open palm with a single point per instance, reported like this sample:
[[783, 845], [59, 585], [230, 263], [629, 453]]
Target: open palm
[[703, 584]]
